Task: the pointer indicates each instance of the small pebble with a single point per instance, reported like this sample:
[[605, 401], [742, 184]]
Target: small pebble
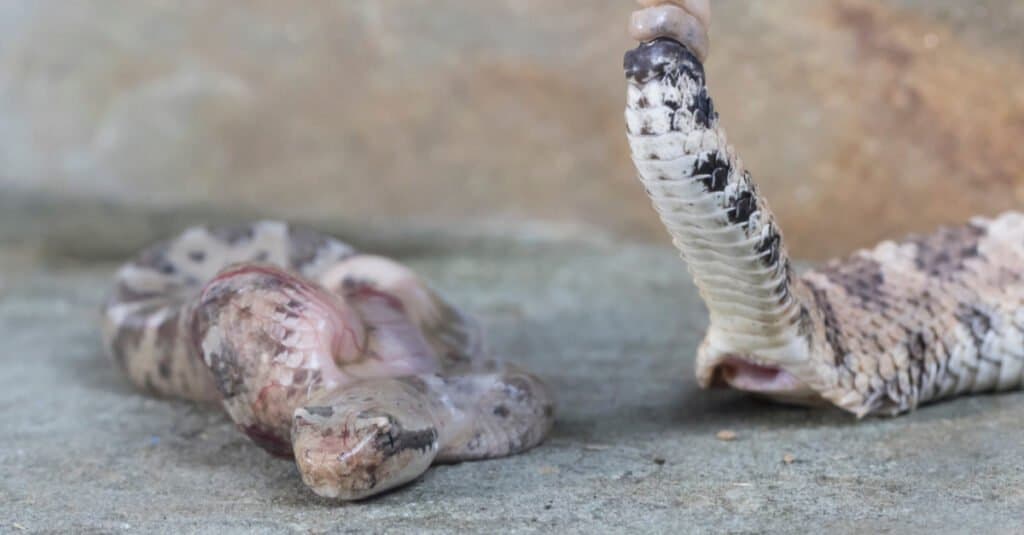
[[726, 435], [788, 458]]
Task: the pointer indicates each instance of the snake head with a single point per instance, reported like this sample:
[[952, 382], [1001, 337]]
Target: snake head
[[364, 439]]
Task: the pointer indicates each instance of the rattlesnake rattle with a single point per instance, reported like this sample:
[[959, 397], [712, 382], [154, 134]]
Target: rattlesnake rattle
[[348, 362], [880, 332]]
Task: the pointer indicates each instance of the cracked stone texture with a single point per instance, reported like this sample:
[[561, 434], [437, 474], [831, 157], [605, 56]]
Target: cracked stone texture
[[613, 328], [861, 118]]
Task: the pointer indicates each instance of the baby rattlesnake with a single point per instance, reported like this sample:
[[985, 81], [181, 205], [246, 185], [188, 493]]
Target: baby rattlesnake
[[346, 361], [880, 332]]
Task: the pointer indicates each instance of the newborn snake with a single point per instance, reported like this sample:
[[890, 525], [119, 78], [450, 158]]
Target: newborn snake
[[880, 332], [347, 361]]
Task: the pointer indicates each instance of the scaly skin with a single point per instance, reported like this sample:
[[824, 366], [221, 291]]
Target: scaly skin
[[880, 332], [348, 362]]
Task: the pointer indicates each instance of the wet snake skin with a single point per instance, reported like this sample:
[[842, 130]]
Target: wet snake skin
[[345, 361]]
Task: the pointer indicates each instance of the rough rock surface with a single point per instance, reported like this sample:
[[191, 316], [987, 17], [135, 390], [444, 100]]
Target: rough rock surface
[[612, 326], [861, 118]]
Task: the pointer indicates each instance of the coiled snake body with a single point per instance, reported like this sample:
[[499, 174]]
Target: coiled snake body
[[880, 332], [347, 361]]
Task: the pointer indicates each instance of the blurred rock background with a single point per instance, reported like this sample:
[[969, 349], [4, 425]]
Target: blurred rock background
[[861, 118]]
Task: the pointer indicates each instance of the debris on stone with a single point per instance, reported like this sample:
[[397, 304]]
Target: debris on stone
[[788, 458], [726, 435]]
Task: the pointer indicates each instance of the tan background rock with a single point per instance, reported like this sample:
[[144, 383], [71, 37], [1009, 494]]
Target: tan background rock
[[861, 118]]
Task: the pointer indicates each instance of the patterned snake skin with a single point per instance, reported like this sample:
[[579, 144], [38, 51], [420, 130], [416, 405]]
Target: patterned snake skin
[[880, 332], [346, 361]]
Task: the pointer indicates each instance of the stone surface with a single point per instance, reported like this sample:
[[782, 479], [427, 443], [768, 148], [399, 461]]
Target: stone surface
[[613, 327], [862, 118]]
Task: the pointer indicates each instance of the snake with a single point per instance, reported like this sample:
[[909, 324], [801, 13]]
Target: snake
[[347, 362], [879, 332]]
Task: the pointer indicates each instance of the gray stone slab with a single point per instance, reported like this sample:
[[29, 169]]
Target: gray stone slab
[[613, 328]]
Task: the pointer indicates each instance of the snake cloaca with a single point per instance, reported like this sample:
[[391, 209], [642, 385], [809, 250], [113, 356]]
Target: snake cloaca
[[348, 362], [880, 332]]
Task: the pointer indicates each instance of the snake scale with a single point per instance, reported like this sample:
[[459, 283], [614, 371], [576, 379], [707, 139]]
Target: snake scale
[[880, 332], [346, 361]]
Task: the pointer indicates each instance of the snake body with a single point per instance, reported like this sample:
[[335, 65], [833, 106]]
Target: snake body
[[355, 367], [880, 332], [346, 361]]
